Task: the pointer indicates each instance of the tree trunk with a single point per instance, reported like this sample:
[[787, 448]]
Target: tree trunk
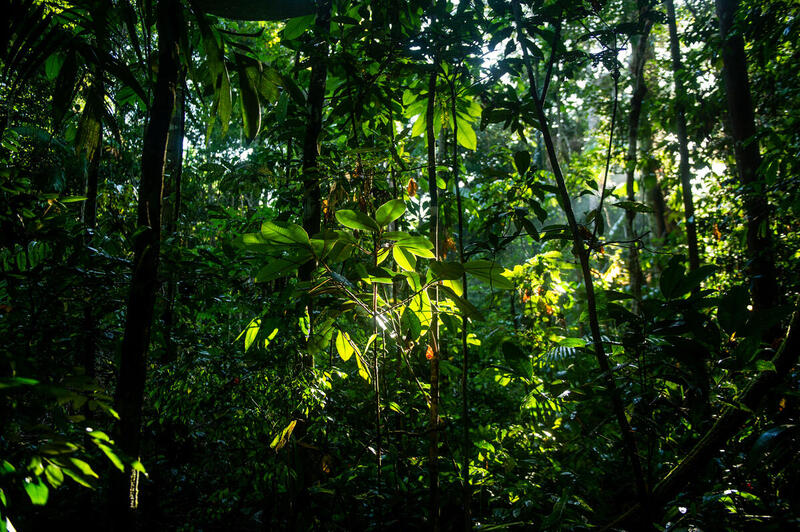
[[761, 269], [683, 143], [582, 254], [638, 60], [172, 204], [312, 197], [433, 190], [144, 280], [466, 443]]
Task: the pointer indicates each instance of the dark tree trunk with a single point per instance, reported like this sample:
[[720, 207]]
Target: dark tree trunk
[[433, 190], [761, 270], [638, 61], [466, 443], [144, 281], [172, 205], [582, 253], [312, 196], [683, 143]]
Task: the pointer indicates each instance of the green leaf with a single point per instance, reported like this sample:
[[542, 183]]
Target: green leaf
[[489, 272], [467, 309], [15, 382], [765, 365], [572, 342], [671, 277], [344, 346], [522, 161], [356, 220], [281, 266], [53, 66], [111, 454], [285, 233], [389, 212], [732, 313], [395, 235], [466, 135], [249, 77], [419, 126], [417, 245], [251, 332], [694, 278], [297, 26], [54, 475], [37, 491], [447, 270], [404, 258], [633, 206], [83, 467]]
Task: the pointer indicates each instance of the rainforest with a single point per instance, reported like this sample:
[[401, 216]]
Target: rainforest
[[348, 265]]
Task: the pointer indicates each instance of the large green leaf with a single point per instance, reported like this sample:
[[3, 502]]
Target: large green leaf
[[37, 491], [285, 233], [344, 346], [356, 220], [404, 258], [281, 266], [417, 245], [466, 135], [249, 71], [389, 212], [297, 26], [447, 270], [489, 272]]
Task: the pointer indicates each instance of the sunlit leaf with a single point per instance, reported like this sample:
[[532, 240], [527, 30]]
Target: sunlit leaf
[[356, 220], [343, 346], [489, 272], [389, 212], [37, 491]]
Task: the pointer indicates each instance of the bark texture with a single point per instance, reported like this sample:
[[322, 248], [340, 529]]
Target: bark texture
[[638, 60], [144, 281], [683, 143], [761, 270]]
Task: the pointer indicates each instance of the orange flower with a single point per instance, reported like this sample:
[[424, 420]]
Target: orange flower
[[429, 353]]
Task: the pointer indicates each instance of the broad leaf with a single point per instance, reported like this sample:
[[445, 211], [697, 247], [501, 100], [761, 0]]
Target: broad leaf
[[389, 212], [356, 220], [489, 272]]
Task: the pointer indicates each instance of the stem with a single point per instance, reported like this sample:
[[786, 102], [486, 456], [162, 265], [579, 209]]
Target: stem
[[583, 256], [683, 143], [433, 451], [466, 445]]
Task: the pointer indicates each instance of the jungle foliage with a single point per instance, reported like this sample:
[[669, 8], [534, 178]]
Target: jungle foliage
[[384, 265]]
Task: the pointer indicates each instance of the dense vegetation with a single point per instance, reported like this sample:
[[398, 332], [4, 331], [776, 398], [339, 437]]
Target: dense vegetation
[[381, 265]]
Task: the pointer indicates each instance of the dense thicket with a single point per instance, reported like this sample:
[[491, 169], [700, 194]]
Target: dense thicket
[[378, 265]]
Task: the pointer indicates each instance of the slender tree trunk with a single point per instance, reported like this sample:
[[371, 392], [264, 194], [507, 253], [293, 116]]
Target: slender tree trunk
[[144, 280], [683, 143], [312, 197], [466, 443], [433, 190], [638, 60], [761, 270], [172, 204], [582, 253]]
